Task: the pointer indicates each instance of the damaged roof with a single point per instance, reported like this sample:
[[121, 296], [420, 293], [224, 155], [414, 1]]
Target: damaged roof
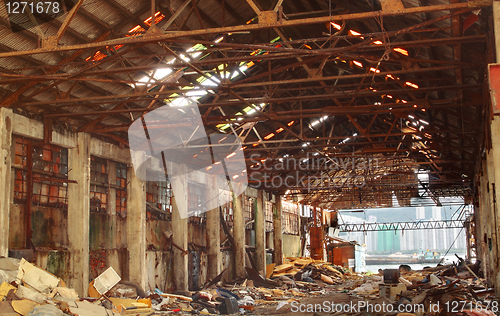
[[395, 88]]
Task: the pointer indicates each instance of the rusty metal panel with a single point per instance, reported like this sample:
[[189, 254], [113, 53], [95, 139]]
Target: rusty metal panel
[[316, 243], [268, 17], [392, 6], [494, 81]]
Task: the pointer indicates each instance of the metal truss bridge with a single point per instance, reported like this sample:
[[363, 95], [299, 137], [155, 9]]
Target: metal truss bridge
[[416, 225]]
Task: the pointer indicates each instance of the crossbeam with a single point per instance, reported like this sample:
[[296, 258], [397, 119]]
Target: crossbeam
[[417, 225], [250, 27]]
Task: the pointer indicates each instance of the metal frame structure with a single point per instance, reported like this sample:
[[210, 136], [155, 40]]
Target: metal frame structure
[[395, 81], [402, 226]]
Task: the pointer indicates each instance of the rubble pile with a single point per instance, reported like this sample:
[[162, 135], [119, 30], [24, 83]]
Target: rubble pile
[[26, 289], [443, 290], [308, 270]]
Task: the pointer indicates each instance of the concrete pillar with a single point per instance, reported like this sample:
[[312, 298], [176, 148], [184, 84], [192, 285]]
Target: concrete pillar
[[491, 215], [278, 231], [5, 177], [79, 213], [180, 233], [136, 227], [213, 235], [479, 217], [496, 26], [260, 233], [495, 141], [495, 156], [239, 236]]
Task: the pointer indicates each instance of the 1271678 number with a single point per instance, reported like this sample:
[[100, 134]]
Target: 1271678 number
[[461, 306], [20, 7]]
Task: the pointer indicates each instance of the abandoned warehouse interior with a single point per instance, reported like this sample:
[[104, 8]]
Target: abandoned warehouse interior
[[337, 105]]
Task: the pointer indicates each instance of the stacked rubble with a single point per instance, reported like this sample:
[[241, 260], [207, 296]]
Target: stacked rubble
[[26, 289]]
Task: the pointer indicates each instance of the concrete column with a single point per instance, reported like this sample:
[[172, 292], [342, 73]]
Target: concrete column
[[495, 141], [213, 234], [495, 154], [136, 227], [485, 211], [79, 213], [496, 27], [490, 216], [180, 233], [260, 233], [5, 177], [479, 218], [239, 236], [278, 231]]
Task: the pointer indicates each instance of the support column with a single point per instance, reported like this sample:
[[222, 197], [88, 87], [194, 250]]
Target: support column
[[260, 233], [490, 216], [278, 231], [180, 232], [495, 154], [79, 213], [213, 233], [5, 177], [496, 27], [136, 227], [239, 236], [495, 141], [484, 208]]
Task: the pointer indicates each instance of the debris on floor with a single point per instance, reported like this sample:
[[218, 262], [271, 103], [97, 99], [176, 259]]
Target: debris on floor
[[29, 290]]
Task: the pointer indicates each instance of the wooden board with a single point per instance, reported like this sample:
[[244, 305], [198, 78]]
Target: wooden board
[[269, 270], [291, 272], [23, 307], [326, 279], [302, 262], [283, 267]]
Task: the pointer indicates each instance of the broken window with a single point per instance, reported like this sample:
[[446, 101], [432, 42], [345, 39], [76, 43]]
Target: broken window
[[19, 168], [248, 212], [121, 189], [227, 209], [50, 170], [158, 200], [268, 215], [47, 165], [197, 202], [290, 217], [99, 184]]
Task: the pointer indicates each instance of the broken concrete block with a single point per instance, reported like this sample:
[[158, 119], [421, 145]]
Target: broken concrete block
[[31, 294], [8, 269], [36, 278], [10, 264]]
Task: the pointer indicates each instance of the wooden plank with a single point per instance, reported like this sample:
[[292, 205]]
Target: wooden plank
[[283, 267], [326, 279], [270, 269]]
